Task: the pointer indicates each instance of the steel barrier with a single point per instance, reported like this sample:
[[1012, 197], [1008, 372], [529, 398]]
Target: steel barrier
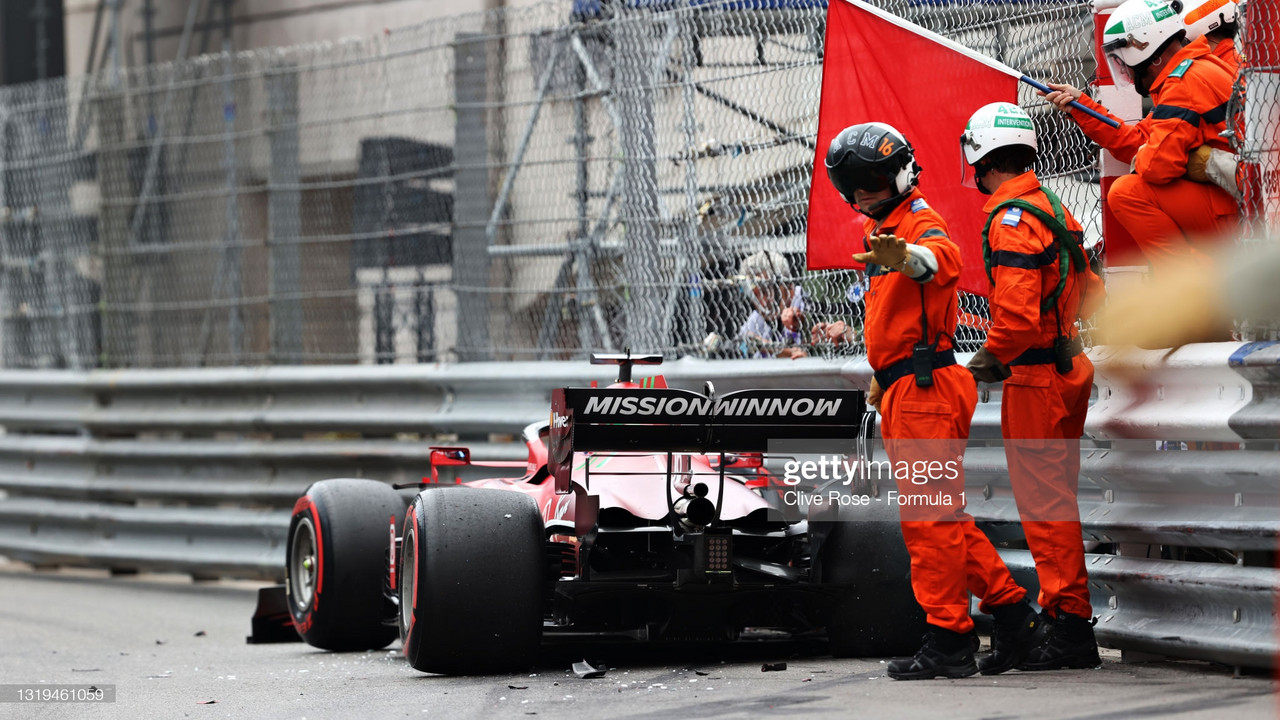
[[195, 470]]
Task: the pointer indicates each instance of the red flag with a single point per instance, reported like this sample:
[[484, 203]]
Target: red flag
[[878, 67]]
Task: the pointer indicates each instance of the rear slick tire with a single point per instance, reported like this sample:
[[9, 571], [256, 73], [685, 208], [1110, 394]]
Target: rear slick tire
[[878, 615], [472, 573], [336, 564]]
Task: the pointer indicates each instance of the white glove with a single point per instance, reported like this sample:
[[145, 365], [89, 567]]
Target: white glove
[[1221, 169]]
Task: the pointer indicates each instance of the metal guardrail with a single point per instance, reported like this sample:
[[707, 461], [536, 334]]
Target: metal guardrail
[[195, 470], [1155, 497], [1218, 612]]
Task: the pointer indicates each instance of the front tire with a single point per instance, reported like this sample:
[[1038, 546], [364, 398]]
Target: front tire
[[471, 579], [336, 563]]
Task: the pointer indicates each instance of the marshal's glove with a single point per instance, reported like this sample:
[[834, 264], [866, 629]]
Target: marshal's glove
[[875, 394], [987, 368], [1221, 169], [1211, 165], [1197, 162], [887, 250]]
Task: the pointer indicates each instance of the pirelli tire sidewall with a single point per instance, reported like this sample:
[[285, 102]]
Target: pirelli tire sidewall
[[478, 581], [345, 608]]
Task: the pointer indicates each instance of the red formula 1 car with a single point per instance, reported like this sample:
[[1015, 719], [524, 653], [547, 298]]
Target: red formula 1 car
[[644, 513]]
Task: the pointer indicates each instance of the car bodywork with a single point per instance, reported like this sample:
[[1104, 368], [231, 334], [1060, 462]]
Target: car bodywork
[[657, 519]]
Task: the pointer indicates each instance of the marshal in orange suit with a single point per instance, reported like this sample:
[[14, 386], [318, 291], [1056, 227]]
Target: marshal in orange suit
[[925, 399], [1170, 212], [1041, 284]]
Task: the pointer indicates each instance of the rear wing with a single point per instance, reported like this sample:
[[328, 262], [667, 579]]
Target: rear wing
[[667, 420]]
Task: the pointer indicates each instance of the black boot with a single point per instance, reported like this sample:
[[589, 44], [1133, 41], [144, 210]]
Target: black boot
[[1066, 643], [1014, 635], [944, 654]]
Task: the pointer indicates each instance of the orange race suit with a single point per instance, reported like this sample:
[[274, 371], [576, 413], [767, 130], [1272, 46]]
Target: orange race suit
[[950, 557], [1164, 211], [1226, 51], [1042, 410]]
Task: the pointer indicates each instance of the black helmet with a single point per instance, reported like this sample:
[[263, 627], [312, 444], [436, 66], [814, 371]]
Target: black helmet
[[872, 156]]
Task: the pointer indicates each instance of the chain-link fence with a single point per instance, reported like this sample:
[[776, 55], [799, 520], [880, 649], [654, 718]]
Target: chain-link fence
[[1256, 110], [533, 183], [1254, 132]]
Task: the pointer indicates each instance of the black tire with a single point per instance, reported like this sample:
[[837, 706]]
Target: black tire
[[336, 564], [878, 615], [471, 579]]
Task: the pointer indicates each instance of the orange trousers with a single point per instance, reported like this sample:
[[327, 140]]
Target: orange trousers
[[1176, 222], [950, 557], [1042, 418]]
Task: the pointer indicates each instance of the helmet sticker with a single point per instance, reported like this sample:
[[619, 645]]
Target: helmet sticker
[[1139, 28], [1205, 16], [872, 157], [1022, 123]]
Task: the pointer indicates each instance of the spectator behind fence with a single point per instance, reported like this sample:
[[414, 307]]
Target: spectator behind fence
[[773, 329], [776, 326], [838, 296], [1168, 214]]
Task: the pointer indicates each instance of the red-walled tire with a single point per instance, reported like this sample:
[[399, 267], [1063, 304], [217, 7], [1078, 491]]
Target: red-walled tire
[[471, 579], [336, 564], [878, 615]]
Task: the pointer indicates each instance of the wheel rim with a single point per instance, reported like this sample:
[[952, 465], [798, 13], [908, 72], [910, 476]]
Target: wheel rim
[[302, 564], [408, 579]]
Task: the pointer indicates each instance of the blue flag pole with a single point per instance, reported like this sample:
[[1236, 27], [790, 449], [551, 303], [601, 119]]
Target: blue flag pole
[[1082, 108]]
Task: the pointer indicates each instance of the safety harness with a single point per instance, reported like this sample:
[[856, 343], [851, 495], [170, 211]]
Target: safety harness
[[1070, 254]]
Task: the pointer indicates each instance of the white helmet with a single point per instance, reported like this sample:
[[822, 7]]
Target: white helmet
[[1139, 29], [997, 125], [1205, 16]]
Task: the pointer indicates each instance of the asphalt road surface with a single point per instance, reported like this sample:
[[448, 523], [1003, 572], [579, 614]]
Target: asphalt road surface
[[173, 648]]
